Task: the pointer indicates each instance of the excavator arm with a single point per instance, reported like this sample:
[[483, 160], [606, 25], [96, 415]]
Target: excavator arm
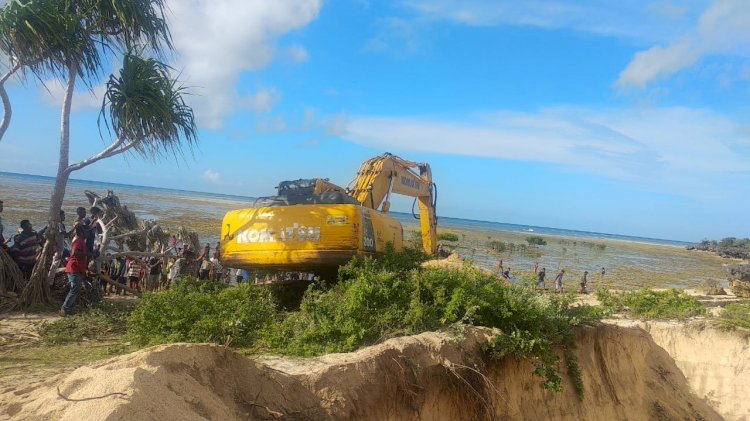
[[378, 177]]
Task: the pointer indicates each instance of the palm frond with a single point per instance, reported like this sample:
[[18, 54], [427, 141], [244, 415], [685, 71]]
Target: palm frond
[[47, 35], [144, 105]]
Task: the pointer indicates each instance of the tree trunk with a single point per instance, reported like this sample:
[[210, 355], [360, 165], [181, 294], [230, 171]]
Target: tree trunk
[[37, 289], [7, 110]]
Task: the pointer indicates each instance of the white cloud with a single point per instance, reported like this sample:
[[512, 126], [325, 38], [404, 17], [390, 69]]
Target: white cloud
[[394, 35], [298, 54], [679, 149], [263, 101], [724, 28], [53, 93], [637, 19], [274, 125], [211, 176], [217, 40]]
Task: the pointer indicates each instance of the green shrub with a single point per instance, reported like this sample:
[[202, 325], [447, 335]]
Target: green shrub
[[650, 304], [536, 240], [375, 298], [500, 246], [447, 236], [197, 312], [374, 303], [104, 319], [736, 315]]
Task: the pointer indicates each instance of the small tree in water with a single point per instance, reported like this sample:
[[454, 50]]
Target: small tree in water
[[143, 108]]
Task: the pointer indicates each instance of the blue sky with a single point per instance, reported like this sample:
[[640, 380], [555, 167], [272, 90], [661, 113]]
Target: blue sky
[[628, 118]]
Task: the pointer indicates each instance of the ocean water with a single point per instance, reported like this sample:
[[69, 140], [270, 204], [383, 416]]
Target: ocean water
[[632, 261], [154, 202]]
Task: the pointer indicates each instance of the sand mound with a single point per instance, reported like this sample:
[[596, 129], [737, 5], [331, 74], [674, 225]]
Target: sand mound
[[454, 261], [185, 382], [436, 376], [715, 363]]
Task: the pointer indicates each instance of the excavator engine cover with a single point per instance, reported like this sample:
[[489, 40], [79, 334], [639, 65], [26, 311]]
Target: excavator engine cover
[[304, 237]]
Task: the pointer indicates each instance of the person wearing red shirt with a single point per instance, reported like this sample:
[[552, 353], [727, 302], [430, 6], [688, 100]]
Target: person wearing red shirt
[[76, 270]]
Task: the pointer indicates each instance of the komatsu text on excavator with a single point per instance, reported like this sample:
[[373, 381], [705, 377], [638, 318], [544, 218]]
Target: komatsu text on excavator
[[315, 226]]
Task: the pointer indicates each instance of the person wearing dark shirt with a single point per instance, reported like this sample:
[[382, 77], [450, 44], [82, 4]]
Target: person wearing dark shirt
[[26, 247], [88, 234], [541, 275], [584, 282], [117, 271], [93, 228], [559, 281], [75, 270], [154, 274]]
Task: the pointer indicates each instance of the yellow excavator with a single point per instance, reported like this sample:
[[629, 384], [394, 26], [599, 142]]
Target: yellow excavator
[[313, 225]]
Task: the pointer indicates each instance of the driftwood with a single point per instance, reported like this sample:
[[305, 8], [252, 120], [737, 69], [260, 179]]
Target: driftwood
[[122, 234], [109, 280], [11, 278]]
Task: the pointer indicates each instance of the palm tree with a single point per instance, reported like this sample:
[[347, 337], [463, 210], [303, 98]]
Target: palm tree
[[143, 107]]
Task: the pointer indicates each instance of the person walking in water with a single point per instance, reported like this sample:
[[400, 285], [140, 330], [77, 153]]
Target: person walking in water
[[584, 282], [558, 281], [540, 284]]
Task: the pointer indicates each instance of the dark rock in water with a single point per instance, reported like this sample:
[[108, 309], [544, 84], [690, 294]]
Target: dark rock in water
[[740, 288], [711, 287], [739, 272]]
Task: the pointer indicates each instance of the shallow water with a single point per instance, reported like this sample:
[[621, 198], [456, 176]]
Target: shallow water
[[630, 261]]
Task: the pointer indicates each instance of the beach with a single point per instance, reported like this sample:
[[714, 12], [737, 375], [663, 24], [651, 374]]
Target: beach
[[629, 262]]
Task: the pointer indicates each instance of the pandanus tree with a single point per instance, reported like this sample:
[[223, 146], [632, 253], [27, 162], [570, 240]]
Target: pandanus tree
[[143, 109]]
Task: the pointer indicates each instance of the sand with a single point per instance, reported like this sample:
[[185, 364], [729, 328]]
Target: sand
[[440, 376]]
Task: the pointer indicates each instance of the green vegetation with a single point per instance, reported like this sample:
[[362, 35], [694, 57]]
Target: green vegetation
[[727, 247], [202, 312], [650, 304], [536, 240], [447, 236], [106, 319], [736, 315], [503, 247], [374, 299]]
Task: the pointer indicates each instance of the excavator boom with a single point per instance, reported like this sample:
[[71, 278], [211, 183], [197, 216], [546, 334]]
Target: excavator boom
[[378, 177]]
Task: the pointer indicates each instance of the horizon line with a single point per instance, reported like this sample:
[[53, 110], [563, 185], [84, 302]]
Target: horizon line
[[404, 213]]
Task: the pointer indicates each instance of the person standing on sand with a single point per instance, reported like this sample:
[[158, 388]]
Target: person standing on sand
[[500, 265], [604, 272], [540, 284], [584, 282], [559, 282], [134, 271], [536, 267], [154, 274], [75, 270]]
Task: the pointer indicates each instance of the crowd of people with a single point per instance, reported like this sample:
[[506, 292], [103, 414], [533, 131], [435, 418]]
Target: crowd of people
[[541, 275], [79, 247]]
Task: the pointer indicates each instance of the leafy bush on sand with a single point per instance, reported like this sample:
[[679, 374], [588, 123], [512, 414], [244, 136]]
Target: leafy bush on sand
[[374, 299], [104, 319], [198, 312], [536, 240], [650, 304], [372, 303], [736, 315], [447, 236]]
